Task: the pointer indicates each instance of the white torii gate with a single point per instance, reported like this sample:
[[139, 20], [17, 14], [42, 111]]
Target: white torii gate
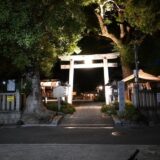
[[87, 61]]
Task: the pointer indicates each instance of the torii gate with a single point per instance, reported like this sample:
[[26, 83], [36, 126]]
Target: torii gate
[[89, 61]]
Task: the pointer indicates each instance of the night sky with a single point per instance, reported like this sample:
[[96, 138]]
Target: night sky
[[88, 79]]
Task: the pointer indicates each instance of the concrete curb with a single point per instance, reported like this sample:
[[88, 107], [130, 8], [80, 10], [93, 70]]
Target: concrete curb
[[116, 120], [38, 125], [123, 123], [56, 120]]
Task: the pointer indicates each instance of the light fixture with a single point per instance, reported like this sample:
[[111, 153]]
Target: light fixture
[[100, 88], [4, 82]]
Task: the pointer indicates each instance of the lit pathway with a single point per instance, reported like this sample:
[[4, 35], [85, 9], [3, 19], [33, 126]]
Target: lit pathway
[[87, 115]]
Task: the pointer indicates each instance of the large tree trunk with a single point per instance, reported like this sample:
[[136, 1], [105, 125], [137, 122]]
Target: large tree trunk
[[35, 112], [126, 70]]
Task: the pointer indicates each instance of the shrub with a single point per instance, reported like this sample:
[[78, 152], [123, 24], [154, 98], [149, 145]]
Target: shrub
[[130, 113], [109, 109], [52, 106], [104, 108], [65, 107], [115, 104]]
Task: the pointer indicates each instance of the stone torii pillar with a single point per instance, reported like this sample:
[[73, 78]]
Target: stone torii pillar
[[106, 80], [71, 77], [88, 63]]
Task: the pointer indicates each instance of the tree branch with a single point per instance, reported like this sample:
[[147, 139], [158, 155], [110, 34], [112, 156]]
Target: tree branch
[[122, 30], [105, 32]]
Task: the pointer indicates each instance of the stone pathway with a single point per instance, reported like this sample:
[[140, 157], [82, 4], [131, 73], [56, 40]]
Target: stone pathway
[[87, 115]]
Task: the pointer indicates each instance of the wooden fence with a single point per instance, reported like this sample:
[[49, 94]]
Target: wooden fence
[[147, 99]]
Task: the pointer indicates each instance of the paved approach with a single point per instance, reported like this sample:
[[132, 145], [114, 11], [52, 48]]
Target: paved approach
[[87, 115]]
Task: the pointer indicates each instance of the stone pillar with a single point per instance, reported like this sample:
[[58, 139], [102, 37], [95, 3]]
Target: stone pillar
[[121, 96], [106, 79], [71, 75], [3, 101], [17, 100]]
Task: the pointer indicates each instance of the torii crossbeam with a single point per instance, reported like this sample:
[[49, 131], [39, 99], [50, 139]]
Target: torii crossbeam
[[89, 61]]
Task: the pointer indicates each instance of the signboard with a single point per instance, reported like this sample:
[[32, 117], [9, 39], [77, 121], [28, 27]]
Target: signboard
[[11, 86], [10, 98], [59, 92], [121, 90]]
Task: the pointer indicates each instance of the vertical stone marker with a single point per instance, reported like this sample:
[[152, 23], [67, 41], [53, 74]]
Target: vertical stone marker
[[121, 97]]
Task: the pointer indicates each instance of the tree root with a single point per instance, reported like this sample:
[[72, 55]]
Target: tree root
[[39, 116]]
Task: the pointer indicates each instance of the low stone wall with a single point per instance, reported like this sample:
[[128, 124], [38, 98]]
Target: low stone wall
[[9, 117]]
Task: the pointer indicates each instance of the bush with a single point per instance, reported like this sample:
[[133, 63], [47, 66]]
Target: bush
[[104, 108], [109, 109], [65, 108], [130, 113], [52, 106]]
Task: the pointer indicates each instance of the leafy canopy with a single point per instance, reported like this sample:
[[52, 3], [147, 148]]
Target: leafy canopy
[[143, 14], [34, 32]]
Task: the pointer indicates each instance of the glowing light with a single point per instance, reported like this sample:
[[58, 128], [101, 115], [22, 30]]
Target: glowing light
[[117, 133], [100, 88], [4, 82]]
